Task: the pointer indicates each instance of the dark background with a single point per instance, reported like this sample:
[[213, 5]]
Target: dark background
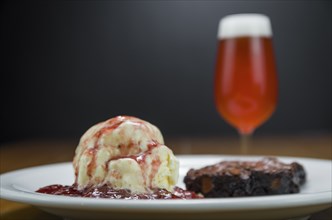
[[68, 65]]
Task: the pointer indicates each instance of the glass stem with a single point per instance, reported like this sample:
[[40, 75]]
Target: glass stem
[[245, 143]]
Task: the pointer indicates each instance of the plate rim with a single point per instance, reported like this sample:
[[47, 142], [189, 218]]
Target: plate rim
[[195, 205]]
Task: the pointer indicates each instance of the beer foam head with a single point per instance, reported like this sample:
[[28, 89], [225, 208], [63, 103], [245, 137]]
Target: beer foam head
[[239, 25]]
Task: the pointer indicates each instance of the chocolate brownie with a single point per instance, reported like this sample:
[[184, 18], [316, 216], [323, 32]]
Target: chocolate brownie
[[268, 176]]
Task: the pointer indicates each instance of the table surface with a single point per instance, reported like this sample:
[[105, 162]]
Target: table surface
[[23, 154]]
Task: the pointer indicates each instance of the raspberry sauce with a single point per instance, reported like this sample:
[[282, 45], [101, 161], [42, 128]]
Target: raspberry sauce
[[111, 193]]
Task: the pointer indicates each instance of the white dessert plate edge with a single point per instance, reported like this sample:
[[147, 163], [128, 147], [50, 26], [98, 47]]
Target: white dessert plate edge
[[20, 186]]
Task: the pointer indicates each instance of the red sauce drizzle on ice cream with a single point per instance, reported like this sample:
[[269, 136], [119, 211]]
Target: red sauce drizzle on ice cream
[[136, 140], [113, 124]]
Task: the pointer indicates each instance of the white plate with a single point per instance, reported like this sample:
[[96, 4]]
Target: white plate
[[315, 195]]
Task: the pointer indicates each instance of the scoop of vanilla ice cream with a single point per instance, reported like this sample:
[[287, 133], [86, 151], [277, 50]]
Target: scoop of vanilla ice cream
[[125, 152]]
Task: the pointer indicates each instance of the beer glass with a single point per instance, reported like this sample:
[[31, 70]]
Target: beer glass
[[245, 83]]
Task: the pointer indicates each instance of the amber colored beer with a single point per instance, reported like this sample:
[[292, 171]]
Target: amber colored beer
[[245, 81]]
